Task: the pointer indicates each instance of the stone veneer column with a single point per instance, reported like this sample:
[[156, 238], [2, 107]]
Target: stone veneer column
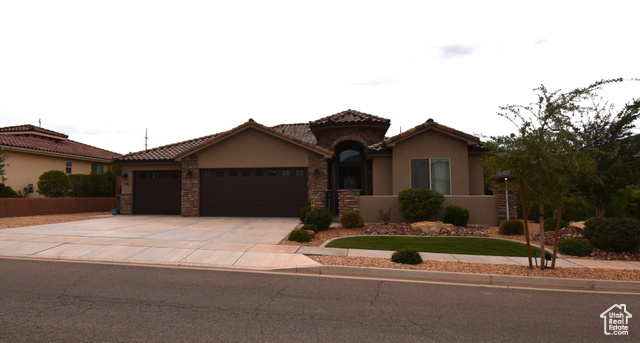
[[190, 186], [126, 204], [502, 204], [348, 201], [318, 186]]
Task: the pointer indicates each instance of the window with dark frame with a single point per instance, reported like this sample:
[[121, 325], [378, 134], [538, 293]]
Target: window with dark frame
[[68, 167], [434, 173]]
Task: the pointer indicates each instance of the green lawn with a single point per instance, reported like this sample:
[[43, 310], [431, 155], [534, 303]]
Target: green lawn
[[449, 245]]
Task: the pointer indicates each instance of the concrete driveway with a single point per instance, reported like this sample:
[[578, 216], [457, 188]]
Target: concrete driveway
[[245, 243]]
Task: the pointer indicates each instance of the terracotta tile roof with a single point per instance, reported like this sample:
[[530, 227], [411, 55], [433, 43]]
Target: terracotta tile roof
[[350, 117], [251, 122], [473, 141], [175, 151], [30, 128], [164, 153], [299, 131], [9, 139]]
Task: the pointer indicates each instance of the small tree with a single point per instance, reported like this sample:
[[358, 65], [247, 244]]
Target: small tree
[[3, 158], [542, 157], [54, 184]]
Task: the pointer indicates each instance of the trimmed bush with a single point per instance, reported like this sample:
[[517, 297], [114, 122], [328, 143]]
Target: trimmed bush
[[310, 227], [574, 247], [419, 204], [300, 236], [304, 211], [8, 192], [511, 227], [550, 224], [352, 220], [406, 256], [320, 217], [91, 185], [53, 184], [614, 234], [456, 215]]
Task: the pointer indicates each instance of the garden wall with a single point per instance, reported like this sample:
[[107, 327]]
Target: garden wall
[[483, 209], [10, 207]]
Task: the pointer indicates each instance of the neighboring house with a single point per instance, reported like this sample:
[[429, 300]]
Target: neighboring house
[[342, 162], [33, 150]]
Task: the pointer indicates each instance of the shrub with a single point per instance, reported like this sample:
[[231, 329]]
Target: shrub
[[90, 186], [456, 215], [419, 204], [406, 256], [574, 247], [310, 227], [300, 236], [320, 217], [53, 184], [8, 192], [511, 227], [304, 211], [352, 220], [616, 234], [550, 224], [384, 217]]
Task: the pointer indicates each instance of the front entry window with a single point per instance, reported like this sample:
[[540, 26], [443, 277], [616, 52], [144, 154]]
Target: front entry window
[[350, 178], [350, 156]]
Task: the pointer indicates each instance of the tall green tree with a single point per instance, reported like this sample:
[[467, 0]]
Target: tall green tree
[[542, 157], [607, 135], [3, 158]]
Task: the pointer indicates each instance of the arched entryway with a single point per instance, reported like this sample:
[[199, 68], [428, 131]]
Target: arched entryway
[[349, 170]]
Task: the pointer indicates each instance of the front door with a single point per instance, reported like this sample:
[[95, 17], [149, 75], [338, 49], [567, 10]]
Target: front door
[[350, 178]]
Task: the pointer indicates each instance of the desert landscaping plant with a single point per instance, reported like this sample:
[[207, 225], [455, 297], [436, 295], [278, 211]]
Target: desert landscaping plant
[[456, 215], [352, 220], [574, 247], [310, 227], [406, 256], [304, 211], [320, 217], [300, 236], [614, 234], [419, 204], [550, 224], [384, 217], [511, 227], [8, 192]]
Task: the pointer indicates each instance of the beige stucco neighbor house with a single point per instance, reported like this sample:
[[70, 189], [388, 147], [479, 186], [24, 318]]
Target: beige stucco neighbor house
[[33, 150], [342, 162]]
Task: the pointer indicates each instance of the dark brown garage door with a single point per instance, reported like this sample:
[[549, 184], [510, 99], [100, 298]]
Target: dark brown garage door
[[266, 192], [157, 192]]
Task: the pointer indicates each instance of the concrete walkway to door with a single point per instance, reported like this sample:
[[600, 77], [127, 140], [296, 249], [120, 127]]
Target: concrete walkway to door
[[245, 243]]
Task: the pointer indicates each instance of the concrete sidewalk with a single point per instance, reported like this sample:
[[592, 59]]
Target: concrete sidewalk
[[560, 261]]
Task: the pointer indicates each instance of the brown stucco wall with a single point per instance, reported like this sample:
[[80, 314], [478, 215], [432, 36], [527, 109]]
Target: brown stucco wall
[[44, 206], [252, 148], [482, 209], [476, 174], [431, 144], [25, 168], [382, 175]]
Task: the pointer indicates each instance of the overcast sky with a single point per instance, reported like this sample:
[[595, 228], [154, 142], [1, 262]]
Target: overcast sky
[[104, 71]]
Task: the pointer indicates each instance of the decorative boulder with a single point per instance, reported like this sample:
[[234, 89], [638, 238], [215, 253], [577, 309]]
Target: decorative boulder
[[431, 227]]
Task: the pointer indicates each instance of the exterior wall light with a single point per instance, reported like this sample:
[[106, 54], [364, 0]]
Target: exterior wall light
[[189, 174], [125, 176], [316, 173]]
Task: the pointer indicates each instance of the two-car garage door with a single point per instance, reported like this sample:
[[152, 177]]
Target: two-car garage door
[[256, 192]]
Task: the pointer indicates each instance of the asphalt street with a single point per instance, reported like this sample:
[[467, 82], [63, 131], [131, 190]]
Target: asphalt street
[[84, 302]]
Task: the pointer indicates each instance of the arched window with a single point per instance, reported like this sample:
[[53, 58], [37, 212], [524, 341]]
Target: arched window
[[350, 155]]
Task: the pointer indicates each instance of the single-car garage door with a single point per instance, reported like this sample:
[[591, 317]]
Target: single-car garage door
[[157, 192], [264, 192]]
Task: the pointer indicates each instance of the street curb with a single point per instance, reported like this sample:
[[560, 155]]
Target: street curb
[[470, 279]]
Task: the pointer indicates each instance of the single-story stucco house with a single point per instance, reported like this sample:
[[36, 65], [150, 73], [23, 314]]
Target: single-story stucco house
[[342, 162], [33, 150]]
